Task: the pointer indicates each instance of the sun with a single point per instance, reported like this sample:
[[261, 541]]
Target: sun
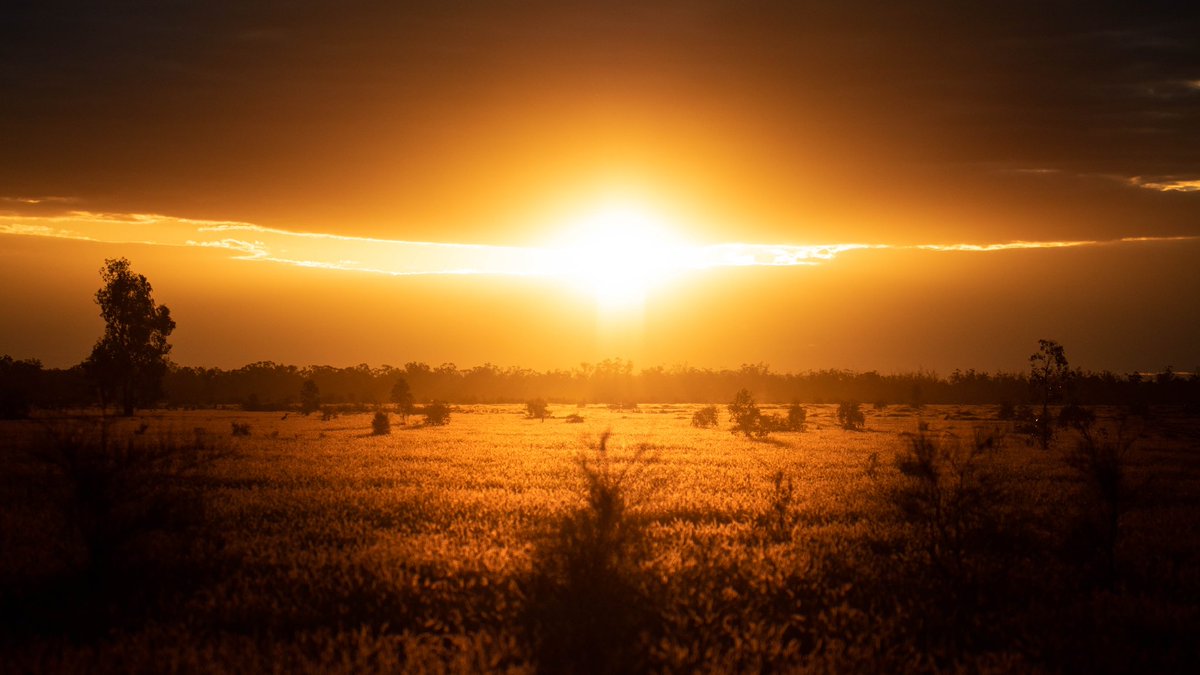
[[619, 253]]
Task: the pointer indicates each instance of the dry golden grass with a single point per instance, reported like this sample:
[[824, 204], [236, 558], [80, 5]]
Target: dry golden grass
[[326, 548]]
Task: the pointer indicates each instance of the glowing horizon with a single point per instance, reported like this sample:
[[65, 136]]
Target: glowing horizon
[[650, 256]]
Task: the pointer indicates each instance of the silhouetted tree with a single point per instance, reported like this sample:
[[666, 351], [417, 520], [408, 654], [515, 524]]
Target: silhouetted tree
[[536, 408], [402, 396], [128, 362], [310, 397], [1049, 375]]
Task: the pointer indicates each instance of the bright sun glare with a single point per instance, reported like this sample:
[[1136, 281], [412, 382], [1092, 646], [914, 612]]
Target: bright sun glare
[[619, 254]]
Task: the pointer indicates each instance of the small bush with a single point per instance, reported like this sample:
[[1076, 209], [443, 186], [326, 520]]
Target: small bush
[[1006, 411], [328, 413], [380, 424], [437, 414], [850, 415], [705, 417], [796, 417], [574, 418], [240, 428], [536, 409], [744, 414]]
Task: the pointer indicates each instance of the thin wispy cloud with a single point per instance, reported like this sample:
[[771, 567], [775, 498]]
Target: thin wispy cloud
[[1167, 184], [251, 242]]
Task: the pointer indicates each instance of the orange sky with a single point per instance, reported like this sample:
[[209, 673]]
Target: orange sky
[[289, 176]]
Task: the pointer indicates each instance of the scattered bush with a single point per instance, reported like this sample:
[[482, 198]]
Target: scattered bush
[[380, 424], [328, 413], [574, 418], [536, 409], [796, 417], [240, 428], [705, 417], [850, 415], [437, 414], [744, 414]]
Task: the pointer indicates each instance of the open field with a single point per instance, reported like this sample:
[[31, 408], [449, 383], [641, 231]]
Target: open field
[[504, 543]]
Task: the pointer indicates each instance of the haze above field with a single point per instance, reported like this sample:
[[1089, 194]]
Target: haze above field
[[542, 184]]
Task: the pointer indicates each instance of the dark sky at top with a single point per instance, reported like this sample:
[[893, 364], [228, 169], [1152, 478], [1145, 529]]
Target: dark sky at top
[[385, 117], [802, 123]]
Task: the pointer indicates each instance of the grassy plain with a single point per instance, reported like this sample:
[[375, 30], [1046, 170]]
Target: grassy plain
[[314, 546]]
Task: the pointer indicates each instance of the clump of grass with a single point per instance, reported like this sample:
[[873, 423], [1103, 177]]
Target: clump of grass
[[587, 607], [240, 428], [574, 418], [380, 424], [777, 522]]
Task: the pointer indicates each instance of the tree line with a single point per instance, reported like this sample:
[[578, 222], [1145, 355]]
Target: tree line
[[267, 385]]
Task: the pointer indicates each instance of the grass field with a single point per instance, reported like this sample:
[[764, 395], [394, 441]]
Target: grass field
[[503, 543]]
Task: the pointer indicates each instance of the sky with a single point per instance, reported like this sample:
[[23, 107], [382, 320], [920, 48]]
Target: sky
[[863, 185]]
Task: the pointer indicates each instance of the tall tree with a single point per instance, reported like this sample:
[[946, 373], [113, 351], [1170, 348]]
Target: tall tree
[[128, 362]]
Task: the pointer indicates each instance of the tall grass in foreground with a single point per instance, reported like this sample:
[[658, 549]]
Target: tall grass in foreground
[[587, 605], [125, 510]]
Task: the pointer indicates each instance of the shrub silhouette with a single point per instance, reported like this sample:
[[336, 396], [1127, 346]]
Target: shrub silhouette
[[574, 418], [850, 415], [380, 424], [437, 414], [745, 415], [705, 417], [587, 608], [536, 409], [240, 428], [796, 417]]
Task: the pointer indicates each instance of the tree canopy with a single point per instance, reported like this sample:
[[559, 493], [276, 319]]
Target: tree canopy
[[129, 360]]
